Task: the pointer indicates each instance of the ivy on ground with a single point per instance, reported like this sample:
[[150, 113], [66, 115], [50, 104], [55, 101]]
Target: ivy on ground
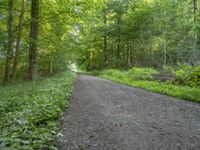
[[30, 112]]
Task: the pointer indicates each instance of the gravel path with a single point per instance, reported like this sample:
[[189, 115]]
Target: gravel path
[[104, 115]]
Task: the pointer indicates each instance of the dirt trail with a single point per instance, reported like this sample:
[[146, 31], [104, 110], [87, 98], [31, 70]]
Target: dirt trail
[[104, 115]]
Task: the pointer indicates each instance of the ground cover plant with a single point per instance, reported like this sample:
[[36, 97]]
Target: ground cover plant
[[30, 112], [138, 77], [40, 38]]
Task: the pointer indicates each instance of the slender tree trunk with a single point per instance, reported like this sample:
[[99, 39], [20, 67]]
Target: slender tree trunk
[[33, 40], [130, 54], [127, 54], [15, 63], [152, 56], [195, 2], [119, 38], [51, 66], [90, 60], [10, 42], [165, 50], [131, 63], [105, 39]]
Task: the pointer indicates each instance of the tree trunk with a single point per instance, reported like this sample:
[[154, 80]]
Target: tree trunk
[[195, 25], [10, 42], [131, 59], [165, 49], [15, 63], [105, 39], [33, 40], [119, 38], [127, 54], [152, 56], [51, 66]]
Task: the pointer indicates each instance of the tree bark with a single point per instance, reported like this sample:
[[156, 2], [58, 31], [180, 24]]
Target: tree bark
[[119, 35], [105, 39], [51, 66], [195, 2], [118, 51], [131, 59], [165, 49], [33, 40], [10, 42], [15, 63], [127, 54]]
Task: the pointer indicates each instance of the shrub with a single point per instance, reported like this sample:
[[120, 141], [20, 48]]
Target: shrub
[[194, 76], [167, 69], [114, 73], [188, 75], [184, 92], [142, 73]]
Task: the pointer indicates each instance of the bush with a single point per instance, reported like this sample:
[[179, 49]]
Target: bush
[[167, 70], [116, 73], [188, 75], [95, 72], [184, 92], [142, 73], [194, 76]]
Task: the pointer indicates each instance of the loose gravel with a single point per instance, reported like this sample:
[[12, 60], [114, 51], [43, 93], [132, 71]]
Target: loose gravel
[[104, 115]]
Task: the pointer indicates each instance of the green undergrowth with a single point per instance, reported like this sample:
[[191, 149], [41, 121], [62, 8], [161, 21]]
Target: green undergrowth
[[191, 93], [30, 112]]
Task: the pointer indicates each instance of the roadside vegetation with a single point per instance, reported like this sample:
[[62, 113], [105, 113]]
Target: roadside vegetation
[[30, 112], [183, 83], [41, 38]]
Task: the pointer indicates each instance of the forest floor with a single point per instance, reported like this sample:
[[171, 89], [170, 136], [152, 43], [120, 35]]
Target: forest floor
[[104, 115]]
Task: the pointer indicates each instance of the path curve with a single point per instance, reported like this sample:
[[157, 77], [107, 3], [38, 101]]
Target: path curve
[[104, 115]]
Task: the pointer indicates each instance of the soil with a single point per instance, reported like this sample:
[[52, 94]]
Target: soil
[[104, 115]]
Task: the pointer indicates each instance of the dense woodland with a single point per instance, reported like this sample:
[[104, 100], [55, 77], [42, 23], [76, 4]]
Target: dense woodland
[[144, 33], [36, 38], [44, 36], [150, 44]]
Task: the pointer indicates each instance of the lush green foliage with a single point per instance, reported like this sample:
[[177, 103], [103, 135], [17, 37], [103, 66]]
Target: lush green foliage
[[99, 34], [188, 75], [142, 73], [126, 77], [30, 112], [95, 34], [57, 35], [152, 33]]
